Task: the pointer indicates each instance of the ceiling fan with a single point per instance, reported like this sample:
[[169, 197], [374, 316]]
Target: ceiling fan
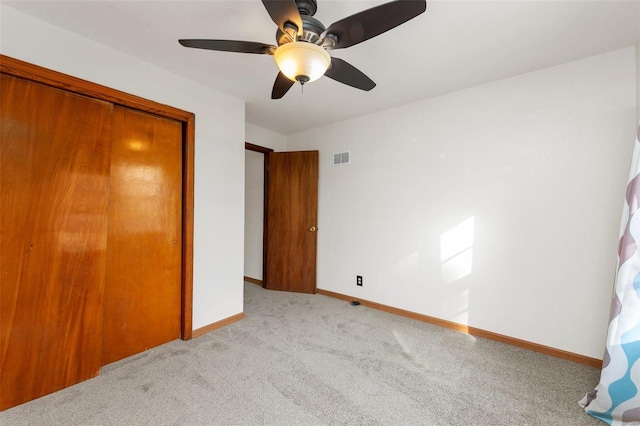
[[303, 41]]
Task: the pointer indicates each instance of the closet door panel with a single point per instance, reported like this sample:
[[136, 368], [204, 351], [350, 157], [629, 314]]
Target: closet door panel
[[54, 191], [143, 286]]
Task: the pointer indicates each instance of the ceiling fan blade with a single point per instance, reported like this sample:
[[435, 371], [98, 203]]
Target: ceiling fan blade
[[230, 46], [283, 11], [346, 73], [281, 86], [372, 22]]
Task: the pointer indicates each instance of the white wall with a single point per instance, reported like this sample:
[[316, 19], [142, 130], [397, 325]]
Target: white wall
[[253, 214], [254, 196], [219, 147], [265, 138], [497, 206]]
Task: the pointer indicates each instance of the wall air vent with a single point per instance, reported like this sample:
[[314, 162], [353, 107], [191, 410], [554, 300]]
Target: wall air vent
[[340, 158]]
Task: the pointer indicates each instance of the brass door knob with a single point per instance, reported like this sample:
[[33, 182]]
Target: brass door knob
[[313, 229]]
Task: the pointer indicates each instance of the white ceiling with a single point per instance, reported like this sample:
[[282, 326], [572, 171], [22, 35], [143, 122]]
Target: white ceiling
[[452, 46]]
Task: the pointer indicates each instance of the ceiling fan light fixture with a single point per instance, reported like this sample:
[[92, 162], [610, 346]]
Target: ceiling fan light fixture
[[302, 61]]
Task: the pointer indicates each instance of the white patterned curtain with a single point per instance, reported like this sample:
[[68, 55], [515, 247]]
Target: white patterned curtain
[[616, 399]]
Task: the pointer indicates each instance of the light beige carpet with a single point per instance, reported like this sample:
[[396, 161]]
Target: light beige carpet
[[301, 359]]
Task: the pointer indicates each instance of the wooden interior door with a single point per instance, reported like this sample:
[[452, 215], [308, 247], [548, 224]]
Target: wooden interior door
[[144, 252], [54, 188], [292, 215]]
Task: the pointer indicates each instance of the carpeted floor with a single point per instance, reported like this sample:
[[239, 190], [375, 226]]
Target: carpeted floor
[[301, 359]]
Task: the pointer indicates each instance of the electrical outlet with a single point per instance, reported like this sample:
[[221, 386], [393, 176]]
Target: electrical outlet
[[359, 280]]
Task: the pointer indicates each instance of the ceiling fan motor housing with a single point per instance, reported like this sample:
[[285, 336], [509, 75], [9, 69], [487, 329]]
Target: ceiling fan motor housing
[[307, 7], [310, 33]]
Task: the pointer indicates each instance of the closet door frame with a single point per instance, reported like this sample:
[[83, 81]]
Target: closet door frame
[[17, 68]]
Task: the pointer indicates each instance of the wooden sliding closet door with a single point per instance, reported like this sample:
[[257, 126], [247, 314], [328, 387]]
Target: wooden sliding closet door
[[144, 250], [54, 189]]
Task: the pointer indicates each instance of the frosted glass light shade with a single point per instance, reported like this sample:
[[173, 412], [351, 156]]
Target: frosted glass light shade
[[300, 58]]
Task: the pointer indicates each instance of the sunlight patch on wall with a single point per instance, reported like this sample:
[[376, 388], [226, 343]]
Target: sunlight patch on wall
[[456, 251], [460, 307]]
